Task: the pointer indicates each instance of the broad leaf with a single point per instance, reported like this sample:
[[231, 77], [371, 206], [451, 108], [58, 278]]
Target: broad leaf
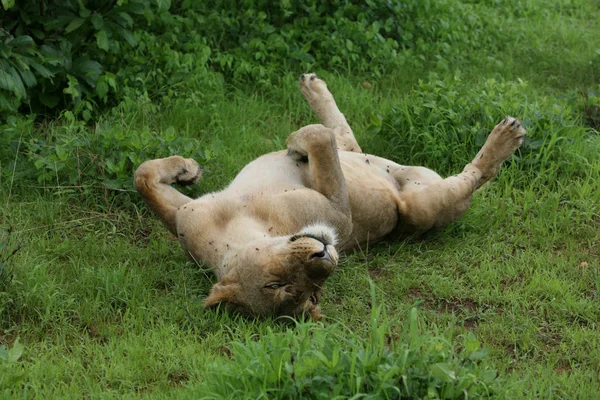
[[6, 81], [163, 4], [15, 352], [444, 372], [102, 39], [128, 36], [97, 21], [28, 78], [49, 100], [74, 24], [87, 69], [8, 4], [102, 89], [22, 41], [43, 71], [19, 89]]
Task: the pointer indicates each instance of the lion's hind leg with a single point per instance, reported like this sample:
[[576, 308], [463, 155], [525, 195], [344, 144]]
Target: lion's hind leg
[[321, 101], [427, 201], [153, 180]]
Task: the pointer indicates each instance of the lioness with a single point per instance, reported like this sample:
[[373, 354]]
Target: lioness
[[272, 236]]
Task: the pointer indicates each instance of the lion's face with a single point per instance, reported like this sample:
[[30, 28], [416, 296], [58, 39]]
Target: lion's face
[[278, 276]]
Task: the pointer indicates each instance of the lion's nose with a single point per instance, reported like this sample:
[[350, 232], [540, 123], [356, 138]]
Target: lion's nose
[[321, 264], [322, 255]]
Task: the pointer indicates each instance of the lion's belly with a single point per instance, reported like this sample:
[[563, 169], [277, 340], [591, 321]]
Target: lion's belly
[[282, 185], [273, 169], [373, 196]]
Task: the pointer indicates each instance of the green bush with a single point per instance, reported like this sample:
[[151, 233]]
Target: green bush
[[51, 50], [256, 39], [328, 362], [83, 54], [444, 122], [76, 157]]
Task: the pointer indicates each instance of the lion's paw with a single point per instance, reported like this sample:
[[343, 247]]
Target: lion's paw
[[510, 129], [505, 138], [311, 138], [189, 173], [313, 88], [296, 148]]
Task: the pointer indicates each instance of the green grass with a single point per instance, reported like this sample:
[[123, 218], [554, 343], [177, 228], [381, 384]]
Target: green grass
[[103, 303]]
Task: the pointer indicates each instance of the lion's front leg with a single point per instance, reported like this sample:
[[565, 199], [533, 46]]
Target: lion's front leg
[[317, 145], [321, 100], [153, 180]]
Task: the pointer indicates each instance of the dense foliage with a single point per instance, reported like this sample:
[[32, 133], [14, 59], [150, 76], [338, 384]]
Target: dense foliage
[[83, 54]]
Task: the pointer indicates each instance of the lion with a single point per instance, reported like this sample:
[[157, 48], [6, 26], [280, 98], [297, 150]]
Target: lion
[[273, 235]]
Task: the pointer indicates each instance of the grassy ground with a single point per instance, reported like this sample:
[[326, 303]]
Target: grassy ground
[[104, 304]]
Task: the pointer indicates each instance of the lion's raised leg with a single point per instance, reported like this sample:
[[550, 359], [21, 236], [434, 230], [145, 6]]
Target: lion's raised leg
[[153, 180], [321, 100], [316, 144], [428, 201]]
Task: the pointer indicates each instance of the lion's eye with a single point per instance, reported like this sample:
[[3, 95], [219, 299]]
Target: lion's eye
[[274, 285]]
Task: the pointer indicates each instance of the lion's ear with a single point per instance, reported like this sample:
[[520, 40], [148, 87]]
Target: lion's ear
[[221, 294]]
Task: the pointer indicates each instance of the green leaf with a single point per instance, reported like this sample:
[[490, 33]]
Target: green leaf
[[3, 353], [6, 81], [102, 39], [28, 78], [43, 71], [38, 34], [87, 69], [23, 40], [7, 104], [488, 376], [127, 18], [102, 89], [49, 100], [74, 24], [61, 153], [163, 5], [443, 372], [479, 354], [349, 44], [19, 89], [97, 21], [8, 4], [128, 36], [39, 164], [15, 352], [5, 51], [376, 120], [72, 87]]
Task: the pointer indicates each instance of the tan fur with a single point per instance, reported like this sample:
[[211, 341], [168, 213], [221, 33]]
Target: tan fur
[[271, 235]]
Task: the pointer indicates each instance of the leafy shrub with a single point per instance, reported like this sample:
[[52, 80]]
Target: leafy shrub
[[61, 48], [65, 53], [72, 155], [75, 54], [10, 377], [444, 122], [256, 39], [327, 362]]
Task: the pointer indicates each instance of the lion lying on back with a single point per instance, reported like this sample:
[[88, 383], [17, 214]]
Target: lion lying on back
[[272, 236]]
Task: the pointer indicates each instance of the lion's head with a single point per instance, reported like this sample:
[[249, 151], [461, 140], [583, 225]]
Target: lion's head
[[279, 276]]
